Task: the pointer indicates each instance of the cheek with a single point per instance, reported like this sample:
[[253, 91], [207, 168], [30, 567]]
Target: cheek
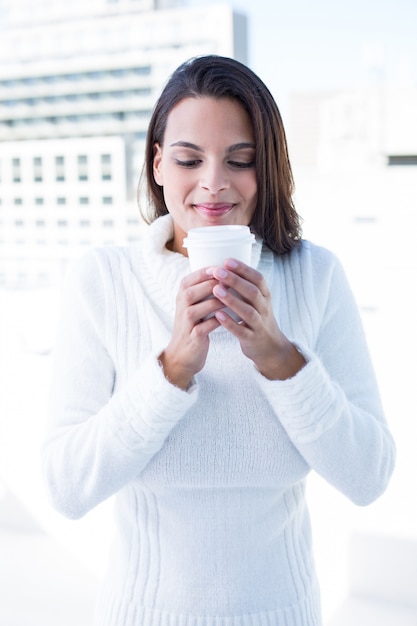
[[179, 182], [172, 190], [252, 187]]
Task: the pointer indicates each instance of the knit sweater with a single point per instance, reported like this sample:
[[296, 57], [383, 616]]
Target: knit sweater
[[212, 525]]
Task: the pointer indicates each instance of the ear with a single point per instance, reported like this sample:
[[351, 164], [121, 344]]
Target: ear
[[157, 159]]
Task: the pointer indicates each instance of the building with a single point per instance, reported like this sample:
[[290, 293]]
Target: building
[[77, 85], [354, 153]]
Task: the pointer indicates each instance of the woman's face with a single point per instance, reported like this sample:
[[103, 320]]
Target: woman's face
[[206, 165]]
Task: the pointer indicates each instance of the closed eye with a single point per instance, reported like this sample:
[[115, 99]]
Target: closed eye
[[242, 164], [190, 163]]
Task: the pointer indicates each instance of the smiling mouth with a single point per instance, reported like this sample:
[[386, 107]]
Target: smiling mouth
[[214, 208]]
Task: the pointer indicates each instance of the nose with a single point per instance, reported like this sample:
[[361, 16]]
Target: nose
[[214, 178]]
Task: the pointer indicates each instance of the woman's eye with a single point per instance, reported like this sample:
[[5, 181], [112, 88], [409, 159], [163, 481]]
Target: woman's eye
[[242, 164], [190, 163]]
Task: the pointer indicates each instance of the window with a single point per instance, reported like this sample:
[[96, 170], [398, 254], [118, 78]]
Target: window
[[49, 79], [84, 223], [72, 77], [17, 201], [84, 200], [61, 200], [402, 159], [119, 73], [95, 75], [143, 91], [62, 223], [16, 173], [108, 223], [82, 167], [107, 200], [40, 223], [145, 70], [38, 201], [37, 169], [11, 82], [106, 173], [59, 168]]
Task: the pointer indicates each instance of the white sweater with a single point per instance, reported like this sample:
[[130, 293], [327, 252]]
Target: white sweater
[[212, 522]]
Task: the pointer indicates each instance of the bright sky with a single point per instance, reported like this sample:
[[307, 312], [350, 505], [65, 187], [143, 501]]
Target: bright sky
[[327, 43]]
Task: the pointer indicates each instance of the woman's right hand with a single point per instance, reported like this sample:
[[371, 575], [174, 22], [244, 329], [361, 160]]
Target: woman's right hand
[[186, 353]]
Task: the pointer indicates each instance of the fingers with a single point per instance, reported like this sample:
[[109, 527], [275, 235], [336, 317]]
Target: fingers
[[238, 327], [246, 281], [248, 273], [198, 277], [194, 288], [205, 292], [197, 303], [241, 313]]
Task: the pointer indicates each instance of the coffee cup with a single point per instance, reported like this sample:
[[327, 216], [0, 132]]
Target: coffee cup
[[210, 246]]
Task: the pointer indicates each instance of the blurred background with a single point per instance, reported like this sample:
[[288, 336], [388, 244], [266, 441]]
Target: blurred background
[[78, 81]]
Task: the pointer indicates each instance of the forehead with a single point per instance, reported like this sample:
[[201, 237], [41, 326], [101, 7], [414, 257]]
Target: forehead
[[208, 118]]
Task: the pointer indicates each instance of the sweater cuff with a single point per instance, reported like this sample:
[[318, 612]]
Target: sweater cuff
[[152, 406], [308, 404]]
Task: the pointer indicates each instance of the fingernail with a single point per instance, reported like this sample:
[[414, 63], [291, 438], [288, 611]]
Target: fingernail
[[220, 273], [231, 263], [219, 291]]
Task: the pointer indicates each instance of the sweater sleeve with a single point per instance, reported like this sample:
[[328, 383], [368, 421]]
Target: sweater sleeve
[[99, 440], [331, 409]]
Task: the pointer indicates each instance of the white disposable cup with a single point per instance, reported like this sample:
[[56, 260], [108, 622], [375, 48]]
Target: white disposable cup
[[211, 245]]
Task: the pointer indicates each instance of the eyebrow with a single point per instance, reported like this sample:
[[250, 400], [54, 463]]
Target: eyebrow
[[243, 145]]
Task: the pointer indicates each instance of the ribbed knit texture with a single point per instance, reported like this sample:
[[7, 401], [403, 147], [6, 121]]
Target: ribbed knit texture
[[212, 523]]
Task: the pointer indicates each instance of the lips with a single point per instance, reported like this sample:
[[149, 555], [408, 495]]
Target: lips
[[214, 209]]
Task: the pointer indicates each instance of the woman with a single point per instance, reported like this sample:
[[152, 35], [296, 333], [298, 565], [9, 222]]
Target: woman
[[205, 428]]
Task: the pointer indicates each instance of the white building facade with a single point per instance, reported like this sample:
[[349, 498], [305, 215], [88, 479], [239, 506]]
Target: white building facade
[[354, 153], [77, 85]]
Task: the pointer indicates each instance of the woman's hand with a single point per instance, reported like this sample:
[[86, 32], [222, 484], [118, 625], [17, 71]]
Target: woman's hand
[[186, 353], [259, 335]]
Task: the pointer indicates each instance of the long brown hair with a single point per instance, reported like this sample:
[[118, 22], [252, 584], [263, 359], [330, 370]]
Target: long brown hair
[[275, 218]]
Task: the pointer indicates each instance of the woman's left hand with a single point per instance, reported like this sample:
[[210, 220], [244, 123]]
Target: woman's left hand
[[260, 337]]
